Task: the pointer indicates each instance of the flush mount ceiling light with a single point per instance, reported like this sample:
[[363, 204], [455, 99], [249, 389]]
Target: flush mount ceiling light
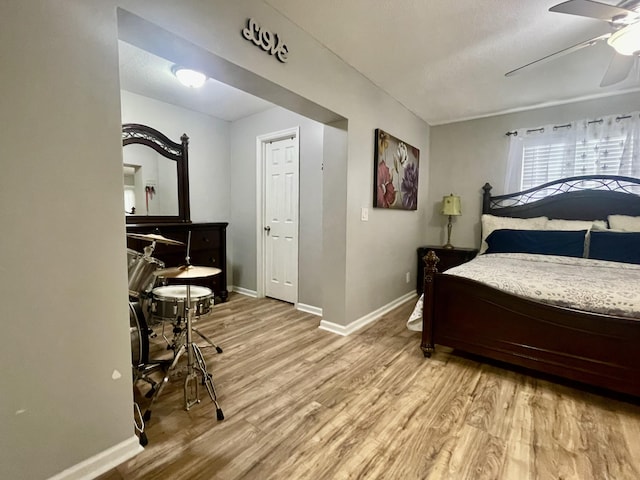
[[188, 77], [626, 41]]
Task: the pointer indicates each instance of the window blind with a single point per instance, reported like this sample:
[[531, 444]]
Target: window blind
[[548, 162]]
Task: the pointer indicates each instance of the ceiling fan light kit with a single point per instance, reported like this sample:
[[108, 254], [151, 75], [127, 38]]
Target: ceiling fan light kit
[[626, 41], [188, 77], [624, 22]]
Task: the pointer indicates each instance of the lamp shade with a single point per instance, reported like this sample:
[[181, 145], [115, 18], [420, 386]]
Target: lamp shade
[[451, 205], [626, 41]]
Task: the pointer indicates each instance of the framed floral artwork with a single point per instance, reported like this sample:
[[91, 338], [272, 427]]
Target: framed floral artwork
[[395, 174]]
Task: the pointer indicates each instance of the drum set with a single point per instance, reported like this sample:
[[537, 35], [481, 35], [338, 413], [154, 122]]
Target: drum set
[[153, 302]]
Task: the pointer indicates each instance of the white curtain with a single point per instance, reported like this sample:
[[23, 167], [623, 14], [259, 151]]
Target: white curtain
[[607, 145]]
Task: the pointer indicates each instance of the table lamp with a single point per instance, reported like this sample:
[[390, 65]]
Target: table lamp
[[451, 207]]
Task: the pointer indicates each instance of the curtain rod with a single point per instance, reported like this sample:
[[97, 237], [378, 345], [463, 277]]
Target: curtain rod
[[567, 125]]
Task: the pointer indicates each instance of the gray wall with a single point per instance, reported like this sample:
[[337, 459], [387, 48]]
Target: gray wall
[[208, 150], [378, 252], [66, 356], [242, 231], [465, 155], [334, 226]]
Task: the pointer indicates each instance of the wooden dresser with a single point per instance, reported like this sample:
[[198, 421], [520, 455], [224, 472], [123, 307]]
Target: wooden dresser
[[208, 249]]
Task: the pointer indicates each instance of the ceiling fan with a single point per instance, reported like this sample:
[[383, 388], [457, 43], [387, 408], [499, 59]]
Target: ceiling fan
[[624, 37]]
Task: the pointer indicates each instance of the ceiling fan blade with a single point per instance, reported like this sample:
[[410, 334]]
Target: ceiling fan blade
[[592, 9], [560, 53], [618, 70]]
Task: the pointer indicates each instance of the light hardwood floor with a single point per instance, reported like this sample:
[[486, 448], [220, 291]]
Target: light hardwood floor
[[302, 403]]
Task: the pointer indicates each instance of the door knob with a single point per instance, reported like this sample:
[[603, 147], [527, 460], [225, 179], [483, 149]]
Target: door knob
[[267, 229]]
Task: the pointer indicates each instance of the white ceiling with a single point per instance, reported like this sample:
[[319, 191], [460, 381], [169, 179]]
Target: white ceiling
[[444, 60], [147, 74]]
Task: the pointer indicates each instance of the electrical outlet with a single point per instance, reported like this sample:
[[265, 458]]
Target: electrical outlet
[[408, 277], [365, 214]]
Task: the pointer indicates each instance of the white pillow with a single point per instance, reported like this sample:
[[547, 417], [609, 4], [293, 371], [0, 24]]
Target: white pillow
[[599, 227], [491, 223], [624, 223], [558, 224]]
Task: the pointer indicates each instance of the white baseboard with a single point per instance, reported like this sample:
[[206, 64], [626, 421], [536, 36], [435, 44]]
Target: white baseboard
[[367, 319], [102, 462], [299, 306], [334, 327], [243, 291], [309, 309]]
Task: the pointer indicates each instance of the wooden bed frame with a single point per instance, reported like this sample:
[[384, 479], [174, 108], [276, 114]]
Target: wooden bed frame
[[595, 349]]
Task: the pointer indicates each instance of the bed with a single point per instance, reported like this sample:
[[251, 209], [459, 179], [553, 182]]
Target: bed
[[599, 348]]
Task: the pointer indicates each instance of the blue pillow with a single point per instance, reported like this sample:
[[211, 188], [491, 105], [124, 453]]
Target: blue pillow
[[568, 243], [615, 246]]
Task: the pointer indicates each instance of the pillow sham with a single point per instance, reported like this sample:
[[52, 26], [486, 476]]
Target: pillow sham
[[626, 223], [559, 224], [615, 246], [492, 222], [567, 243], [597, 227]]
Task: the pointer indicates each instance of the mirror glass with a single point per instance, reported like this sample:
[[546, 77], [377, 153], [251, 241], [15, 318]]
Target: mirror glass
[[155, 174], [150, 182]]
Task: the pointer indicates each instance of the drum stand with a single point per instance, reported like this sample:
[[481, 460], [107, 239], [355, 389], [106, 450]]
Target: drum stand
[[196, 366], [177, 333], [205, 338]]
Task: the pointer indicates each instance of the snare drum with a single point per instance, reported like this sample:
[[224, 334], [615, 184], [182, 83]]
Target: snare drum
[[141, 268], [169, 302]]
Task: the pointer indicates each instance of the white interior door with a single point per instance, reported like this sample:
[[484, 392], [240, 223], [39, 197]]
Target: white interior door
[[281, 219]]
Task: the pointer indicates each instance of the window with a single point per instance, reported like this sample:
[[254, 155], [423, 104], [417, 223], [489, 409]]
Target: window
[[607, 146]]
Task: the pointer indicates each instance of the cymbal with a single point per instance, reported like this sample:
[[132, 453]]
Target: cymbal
[[187, 271], [154, 237]]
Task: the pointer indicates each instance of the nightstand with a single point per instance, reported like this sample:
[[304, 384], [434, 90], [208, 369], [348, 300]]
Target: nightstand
[[449, 257]]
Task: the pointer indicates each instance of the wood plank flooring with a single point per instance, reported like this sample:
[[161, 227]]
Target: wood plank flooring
[[302, 403]]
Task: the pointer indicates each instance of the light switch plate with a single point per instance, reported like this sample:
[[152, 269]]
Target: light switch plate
[[365, 214]]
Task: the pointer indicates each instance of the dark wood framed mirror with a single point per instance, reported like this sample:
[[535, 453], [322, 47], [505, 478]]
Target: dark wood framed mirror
[[155, 176]]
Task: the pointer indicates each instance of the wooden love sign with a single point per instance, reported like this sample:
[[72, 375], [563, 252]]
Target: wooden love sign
[[269, 42]]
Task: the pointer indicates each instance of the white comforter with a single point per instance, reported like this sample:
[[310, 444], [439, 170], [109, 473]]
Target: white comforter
[[594, 286]]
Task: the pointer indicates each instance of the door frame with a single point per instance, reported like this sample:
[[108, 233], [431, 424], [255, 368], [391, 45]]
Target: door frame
[[261, 141]]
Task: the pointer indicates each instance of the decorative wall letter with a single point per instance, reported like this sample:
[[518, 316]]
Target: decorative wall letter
[[269, 42]]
